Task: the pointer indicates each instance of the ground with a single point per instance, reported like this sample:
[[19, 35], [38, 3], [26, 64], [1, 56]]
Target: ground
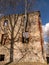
[[35, 63]]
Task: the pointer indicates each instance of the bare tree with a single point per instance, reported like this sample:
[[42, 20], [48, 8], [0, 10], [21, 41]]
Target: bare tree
[[12, 38], [13, 25]]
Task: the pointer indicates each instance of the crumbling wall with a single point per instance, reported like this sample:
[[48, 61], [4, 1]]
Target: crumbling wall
[[24, 52]]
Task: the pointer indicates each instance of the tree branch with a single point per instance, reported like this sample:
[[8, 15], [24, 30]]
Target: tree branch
[[7, 48], [19, 49], [16, 40], [22, 56], [18, 30], [9, 29], [15, 20], [0, 42], [2, 29], [25, 55], [10, 21]]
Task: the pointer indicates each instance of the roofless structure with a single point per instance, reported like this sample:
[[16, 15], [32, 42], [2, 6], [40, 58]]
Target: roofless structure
[[21, 43]]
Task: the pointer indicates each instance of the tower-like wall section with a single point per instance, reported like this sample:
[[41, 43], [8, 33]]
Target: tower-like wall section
[[23, 52]]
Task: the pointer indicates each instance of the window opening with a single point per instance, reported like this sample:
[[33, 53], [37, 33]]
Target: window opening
[[2, 56]]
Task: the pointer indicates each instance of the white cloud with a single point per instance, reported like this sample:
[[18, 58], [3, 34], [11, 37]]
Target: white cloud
[[45, 29], [46, 47]]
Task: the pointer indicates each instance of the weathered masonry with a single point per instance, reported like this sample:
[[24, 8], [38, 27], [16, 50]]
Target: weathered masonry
[[15, 45]]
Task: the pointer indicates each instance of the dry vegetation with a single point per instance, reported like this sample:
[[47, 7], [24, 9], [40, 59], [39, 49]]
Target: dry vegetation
[[29, 63], [25, 63]]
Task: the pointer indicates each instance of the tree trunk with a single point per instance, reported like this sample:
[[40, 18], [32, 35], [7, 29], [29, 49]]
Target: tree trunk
[[11, 48], [11, 52]]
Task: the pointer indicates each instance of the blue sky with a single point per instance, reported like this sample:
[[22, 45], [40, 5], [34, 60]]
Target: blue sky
[[7, 8], [41, 5]]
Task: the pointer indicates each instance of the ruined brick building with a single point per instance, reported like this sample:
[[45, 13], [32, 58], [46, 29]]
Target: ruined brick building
[[15, 45]]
